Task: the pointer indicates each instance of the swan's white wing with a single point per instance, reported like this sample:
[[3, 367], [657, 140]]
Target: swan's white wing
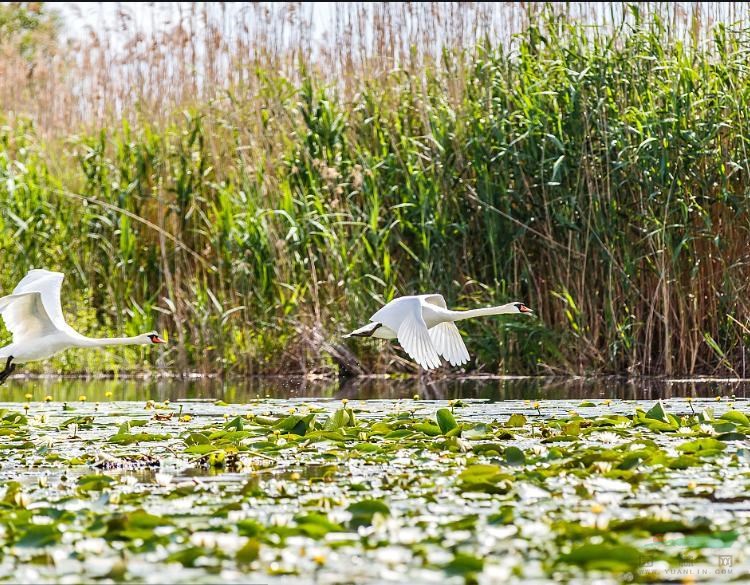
[[436, 299], [48, 285], [415, 339], [449, 344], [25, 316]]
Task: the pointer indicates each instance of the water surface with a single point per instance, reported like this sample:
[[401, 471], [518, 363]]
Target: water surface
[[245, 389]]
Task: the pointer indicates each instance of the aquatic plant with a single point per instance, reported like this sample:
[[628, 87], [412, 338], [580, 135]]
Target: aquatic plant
[[427, 490]]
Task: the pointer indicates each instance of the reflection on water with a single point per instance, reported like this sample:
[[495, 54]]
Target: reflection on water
[[246, 389]]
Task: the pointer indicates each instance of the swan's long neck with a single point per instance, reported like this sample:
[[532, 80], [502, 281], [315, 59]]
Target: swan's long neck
[[485, 312], [109, 341]]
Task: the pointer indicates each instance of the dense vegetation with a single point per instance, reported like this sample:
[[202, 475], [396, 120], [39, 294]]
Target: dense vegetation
[[599, 175]]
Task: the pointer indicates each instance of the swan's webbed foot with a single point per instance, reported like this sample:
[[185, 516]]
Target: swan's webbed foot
[[9, 368]]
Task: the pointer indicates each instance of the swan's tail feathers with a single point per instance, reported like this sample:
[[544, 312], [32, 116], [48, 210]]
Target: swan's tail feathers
[[365, 331]]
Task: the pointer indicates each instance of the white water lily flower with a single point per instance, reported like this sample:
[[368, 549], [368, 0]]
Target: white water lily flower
[[607, 437], [392, 555], [163, 479], [538, 450], [708, 429], [685, 431], [531, 492], [602, 466], [95, 546], [48, 442], [225, 542]]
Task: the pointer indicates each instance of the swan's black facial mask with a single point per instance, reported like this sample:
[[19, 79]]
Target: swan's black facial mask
[[523, 308], [155, 338]]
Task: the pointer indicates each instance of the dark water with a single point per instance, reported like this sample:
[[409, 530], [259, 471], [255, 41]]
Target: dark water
[[245, 389]]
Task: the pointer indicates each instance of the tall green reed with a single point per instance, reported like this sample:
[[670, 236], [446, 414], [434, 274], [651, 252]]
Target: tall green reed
[[597, 175]]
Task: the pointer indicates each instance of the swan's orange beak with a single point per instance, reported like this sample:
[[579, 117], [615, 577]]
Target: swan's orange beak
[[156, 339], [525, 309]]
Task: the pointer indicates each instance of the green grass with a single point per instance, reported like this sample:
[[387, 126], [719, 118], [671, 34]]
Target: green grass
[[599, 177]]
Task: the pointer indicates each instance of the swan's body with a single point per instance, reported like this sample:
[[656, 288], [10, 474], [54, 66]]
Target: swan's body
[[424, 327], [33, 314]]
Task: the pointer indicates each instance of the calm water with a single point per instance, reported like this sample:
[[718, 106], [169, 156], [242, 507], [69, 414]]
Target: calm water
[[245, 389]]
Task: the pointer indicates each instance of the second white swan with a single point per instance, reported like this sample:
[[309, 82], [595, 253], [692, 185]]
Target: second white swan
[[33, 314], [424, 326]]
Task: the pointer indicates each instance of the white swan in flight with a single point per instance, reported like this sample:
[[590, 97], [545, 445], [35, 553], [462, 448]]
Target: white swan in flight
[[424, 327], [33, 314]]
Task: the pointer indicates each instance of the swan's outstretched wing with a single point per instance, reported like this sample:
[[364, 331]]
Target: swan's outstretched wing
[[25, 316], [415, 339], [449, 344], [48, 285], [436, 299]]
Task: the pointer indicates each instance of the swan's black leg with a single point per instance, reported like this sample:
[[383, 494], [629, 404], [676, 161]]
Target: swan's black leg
[[9, 367]]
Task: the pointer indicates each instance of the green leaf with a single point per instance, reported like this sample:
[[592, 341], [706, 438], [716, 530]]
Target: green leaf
[[127, 425], [731, 436], [605, 557], [339, 419], [95, 482], [657, 412], [516, 420], [428, 429], [128, 438], [249, 552], [38, 536], [464, 564], [503, 517], [737, 417], [250, 527], [317, 525], [236, 423], [514, 456], [445, 420], [188, 556], [134, 525], [702, 447], [484, 478], [363, 511]]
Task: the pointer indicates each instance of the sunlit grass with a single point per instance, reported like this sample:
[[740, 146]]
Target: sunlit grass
[[598, 177]]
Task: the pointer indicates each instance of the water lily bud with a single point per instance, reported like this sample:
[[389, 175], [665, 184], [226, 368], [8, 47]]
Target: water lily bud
[[597, 508], [48, 398], [28, 396], [82, 398], [108, 394]]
